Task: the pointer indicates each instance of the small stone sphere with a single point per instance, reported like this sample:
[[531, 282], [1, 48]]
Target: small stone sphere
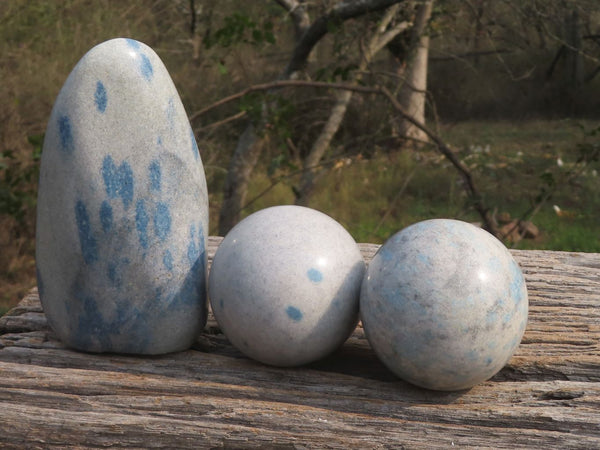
[[284, 285], [444, 304]]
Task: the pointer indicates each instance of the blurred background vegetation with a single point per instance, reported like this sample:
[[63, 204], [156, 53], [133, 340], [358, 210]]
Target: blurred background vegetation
[[513, 89]]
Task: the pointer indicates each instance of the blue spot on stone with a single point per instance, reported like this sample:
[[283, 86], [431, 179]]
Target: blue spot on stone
[[110, 176], [171, 112], [162, 221], [155, 175], [133, 43], [201, 241], [194, 286], [126, 178], [141, 223], [168, 260], [106, 216], [491, 318], [65, 131], [100, 97], [91, 326], [194, 144], [112, 273], [424, 259], [118, 181], [314, 275], [294, 313], [146, 67], [87, 241], [488, 361], [386, 255], [516, 282], [193, 251], [114, 270]]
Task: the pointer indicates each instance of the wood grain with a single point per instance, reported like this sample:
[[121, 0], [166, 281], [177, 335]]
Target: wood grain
[[211, 396]]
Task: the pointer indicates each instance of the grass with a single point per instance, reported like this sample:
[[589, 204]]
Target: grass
[[373, 198]]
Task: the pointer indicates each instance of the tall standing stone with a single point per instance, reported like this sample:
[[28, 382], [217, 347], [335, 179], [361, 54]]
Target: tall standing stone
[[122, 208]]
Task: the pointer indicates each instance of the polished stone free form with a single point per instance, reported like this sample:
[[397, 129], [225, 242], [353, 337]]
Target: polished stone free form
[[444, 304], [122, 208], [284, 285]]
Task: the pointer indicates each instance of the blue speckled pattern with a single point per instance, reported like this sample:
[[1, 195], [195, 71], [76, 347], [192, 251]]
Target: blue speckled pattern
[[284, 285], [444, 304], [122, 208]]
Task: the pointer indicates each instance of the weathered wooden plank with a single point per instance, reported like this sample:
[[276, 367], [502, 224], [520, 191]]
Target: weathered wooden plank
[[212, 396]]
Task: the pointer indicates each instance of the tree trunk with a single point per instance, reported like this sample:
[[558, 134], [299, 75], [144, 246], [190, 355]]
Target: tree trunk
[[573, 60], [241, 166], [248, 148], [381, 37], [413, 91], [310, 174]]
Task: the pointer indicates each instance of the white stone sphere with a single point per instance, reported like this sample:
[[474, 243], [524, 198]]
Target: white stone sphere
[[444, 304], [284, 285]]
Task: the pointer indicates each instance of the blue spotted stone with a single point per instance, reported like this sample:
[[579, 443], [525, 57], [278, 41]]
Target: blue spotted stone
[[444, 304], [122, 208]]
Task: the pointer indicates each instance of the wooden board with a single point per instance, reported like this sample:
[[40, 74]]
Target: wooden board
[[213, 397]]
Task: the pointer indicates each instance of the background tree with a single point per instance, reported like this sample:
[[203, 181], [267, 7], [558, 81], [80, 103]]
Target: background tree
[[249, 146], [413, 87]]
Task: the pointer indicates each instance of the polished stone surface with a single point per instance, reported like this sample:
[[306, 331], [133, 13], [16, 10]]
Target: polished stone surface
[[444, 304], [122, 208], [284, 285]]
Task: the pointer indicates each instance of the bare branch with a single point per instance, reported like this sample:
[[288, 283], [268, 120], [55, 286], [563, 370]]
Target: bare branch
[[224, 121], [463, 171], [339, 13], [298, 13]]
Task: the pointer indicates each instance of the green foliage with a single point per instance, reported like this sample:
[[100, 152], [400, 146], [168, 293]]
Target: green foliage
[[252, 104], [240, 28], [336, 73], [589, 148], [366, 194], [4, 310], [17, 180]]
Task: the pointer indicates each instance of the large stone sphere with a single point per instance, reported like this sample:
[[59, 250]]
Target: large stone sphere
[[285, 284], [444, 304]]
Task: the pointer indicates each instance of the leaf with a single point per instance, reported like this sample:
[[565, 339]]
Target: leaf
[[257, 36], [270, 37], [548, 178]]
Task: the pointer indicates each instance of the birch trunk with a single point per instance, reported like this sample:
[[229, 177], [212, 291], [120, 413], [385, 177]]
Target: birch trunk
[[249, 147], [381, 37], [413, 91]]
